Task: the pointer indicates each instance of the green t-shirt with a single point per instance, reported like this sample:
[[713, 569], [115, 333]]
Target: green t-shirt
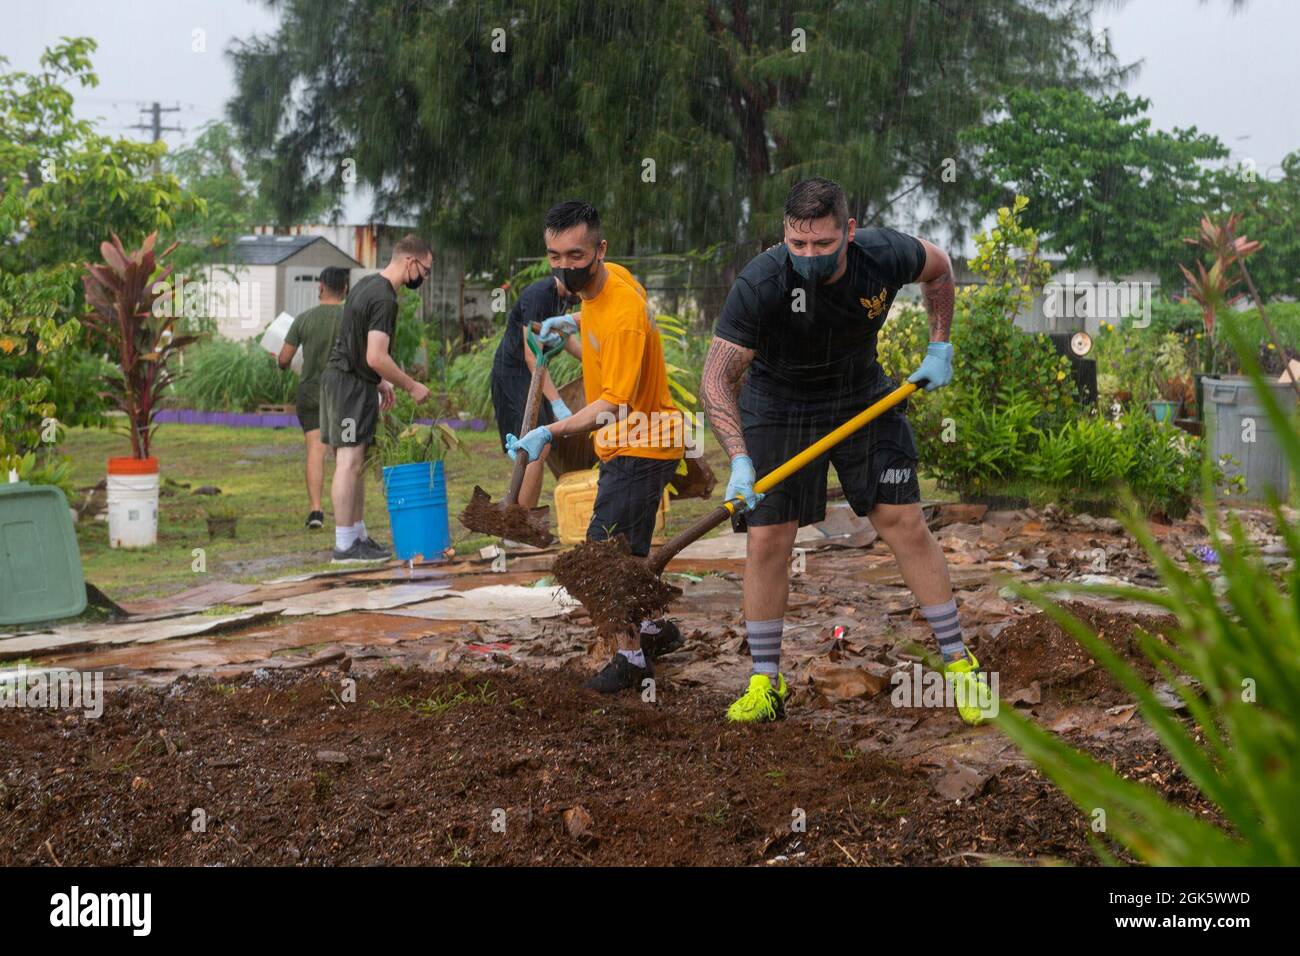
[[313, 331]]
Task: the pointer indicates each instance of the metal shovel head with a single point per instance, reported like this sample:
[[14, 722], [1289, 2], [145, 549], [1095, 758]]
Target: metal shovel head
[[507, 520]]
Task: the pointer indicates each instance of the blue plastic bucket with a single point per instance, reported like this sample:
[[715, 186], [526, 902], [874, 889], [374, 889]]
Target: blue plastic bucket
[[417, 509]]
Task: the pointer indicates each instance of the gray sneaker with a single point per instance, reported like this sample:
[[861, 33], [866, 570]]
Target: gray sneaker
[[353, 555], [373, 550]]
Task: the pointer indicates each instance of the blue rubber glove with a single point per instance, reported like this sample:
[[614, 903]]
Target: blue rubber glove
[[936, 368], [559, 409], [533, 443], [555, 328], [741, 482]]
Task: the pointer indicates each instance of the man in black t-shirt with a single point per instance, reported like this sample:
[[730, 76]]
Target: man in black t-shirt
[[512, 371], [802, 320], [357, 385]]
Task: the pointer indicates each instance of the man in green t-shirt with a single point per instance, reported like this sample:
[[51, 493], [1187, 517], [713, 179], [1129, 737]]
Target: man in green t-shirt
[[314, 331]]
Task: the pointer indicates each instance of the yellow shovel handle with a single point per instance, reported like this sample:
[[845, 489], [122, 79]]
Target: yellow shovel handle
[[826, 443]]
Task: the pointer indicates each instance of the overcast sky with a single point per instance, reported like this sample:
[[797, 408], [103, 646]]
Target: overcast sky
[[1233, 75]]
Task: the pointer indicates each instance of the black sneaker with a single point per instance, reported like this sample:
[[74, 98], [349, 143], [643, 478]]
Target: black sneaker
[[353, 555], [664, 641], [373, 550], [620, 674], [316, 520]]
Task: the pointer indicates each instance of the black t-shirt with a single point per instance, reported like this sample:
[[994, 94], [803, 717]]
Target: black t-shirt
[[538, 302], [826, 349], [371, 306]]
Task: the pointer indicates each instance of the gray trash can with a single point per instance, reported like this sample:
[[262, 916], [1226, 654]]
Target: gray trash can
[[1237, 424]]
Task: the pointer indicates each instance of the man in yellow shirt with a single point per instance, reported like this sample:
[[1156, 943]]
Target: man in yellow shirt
[[639, 433]]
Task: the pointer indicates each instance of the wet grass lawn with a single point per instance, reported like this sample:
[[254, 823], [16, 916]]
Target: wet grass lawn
[[260, 474]]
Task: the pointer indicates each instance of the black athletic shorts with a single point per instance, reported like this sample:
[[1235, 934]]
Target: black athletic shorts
[[308, 405], [877, 464], [349, 409], [627, 499], [509, 396]]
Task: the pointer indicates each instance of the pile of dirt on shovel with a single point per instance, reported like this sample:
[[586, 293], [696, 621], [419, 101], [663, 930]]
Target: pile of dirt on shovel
[[1036, 648], [617, 589], [531, 526]]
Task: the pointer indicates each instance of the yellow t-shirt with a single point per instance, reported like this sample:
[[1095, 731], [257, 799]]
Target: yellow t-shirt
[[623, 363]]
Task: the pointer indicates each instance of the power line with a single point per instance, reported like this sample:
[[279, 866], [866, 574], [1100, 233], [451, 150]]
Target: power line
[[157, 110]]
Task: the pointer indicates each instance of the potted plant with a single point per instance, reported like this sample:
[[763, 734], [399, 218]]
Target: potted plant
[[222, 518], [409, 455], [130, 316], [1173, 379]]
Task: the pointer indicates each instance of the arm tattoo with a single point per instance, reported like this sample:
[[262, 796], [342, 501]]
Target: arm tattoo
[[938, 295], [724, 369]]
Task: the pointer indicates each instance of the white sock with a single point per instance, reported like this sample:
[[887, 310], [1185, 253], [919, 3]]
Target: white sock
[[636, 657], [344, 536], [360, 529]]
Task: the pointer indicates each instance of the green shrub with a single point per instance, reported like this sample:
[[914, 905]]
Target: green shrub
[[976, 432], [226, 376], [1234, 660]]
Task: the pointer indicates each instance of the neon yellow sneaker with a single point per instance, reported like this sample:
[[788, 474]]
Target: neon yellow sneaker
[[760, 702], [969, 692]]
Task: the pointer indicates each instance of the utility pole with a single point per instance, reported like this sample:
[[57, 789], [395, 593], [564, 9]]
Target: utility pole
[[156, 126]]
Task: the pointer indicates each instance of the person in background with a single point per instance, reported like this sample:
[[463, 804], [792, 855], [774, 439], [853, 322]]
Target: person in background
[[313, 331], [512, 372], [358, 384]]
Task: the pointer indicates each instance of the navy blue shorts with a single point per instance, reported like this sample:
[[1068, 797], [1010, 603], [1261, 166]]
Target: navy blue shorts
[[876, 465], [627, 499]]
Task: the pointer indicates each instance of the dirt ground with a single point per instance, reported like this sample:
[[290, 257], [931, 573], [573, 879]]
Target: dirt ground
[[367, 737], [510, 768]]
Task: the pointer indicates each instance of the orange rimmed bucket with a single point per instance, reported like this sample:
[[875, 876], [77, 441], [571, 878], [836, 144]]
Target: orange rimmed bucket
[[132, 502], [133, 466]]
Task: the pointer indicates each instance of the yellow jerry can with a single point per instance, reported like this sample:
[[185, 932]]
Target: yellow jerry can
[[574, 500]]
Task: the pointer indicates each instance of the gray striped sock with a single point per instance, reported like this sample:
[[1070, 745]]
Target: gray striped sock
[[765, 645], [947, 629]]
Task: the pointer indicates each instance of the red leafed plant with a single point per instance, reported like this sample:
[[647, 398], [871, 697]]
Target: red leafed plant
[[121, 294], [1214, 290]]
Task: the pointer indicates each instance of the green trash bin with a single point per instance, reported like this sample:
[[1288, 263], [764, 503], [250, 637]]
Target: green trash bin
[[40, 564]]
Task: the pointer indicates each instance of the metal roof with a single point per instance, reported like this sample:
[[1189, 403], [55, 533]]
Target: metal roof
[[272, 250]]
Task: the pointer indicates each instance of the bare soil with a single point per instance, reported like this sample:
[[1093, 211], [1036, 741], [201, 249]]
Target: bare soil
[[512, 767], [1036, 648]]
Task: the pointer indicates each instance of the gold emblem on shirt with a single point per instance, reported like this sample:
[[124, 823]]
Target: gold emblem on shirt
[[874, 305]]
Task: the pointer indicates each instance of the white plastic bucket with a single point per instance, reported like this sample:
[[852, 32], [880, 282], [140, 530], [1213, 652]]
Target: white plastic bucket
[[132, 509]]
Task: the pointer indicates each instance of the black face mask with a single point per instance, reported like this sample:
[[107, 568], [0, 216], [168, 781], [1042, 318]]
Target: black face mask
[[576, 278], [417, 281]]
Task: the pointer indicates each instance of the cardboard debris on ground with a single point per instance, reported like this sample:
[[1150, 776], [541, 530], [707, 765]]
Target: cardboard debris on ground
[[499, 602], [141, 632], [339, 600], [195, 599]]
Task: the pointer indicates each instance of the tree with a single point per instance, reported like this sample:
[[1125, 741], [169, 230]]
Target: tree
[[684, 120], [1269, 204], [231, 200], [1106, 189], [63, 188]]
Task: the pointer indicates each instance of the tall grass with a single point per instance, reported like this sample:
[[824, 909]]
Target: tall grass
[[225, 376], [1235, 662]]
